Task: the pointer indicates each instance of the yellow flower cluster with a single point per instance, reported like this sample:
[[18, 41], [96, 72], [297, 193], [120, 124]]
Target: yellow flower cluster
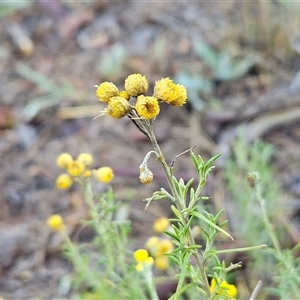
[[223, 288], [136, 85], [143, 259], [158, 248], [79, 169]]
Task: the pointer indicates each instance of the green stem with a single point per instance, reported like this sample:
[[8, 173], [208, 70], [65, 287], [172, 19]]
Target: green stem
[[180, 203]]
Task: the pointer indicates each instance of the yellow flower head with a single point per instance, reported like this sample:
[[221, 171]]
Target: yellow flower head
[[87, 174], [76, 168], [182, 95], [104, 174], [223, 288], [124, 95], [136, 84], [141, 255], [85, 158], [106, 90], [140, 266], [165, 246], [161, 224], [55, 222], [161, 262], [152, 244], [63, 160], [167, 91], [117, 107], [64, 181], [147, 107]]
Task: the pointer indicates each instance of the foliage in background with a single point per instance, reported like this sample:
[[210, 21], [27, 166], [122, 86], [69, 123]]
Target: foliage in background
[[222, 65], [257, 220]]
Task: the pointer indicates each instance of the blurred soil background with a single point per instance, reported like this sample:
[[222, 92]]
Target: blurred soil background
[[239, 60]]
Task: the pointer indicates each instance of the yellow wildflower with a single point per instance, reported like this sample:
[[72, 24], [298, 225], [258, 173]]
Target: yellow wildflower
[[87, 174], [161, 224], [161, 262], [136, 84], [124, 95], [85, 158], [55, 222], [141, 255], [182, 96], [64, 181], [117, 107], [76, 168], [147, 107], [165, 246], [63, 160], [104, 174], [223, 289], [152, 244], [167, 91], [106, 90]]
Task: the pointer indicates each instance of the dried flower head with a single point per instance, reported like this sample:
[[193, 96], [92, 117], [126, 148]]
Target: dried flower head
[[167, 91], [147, 107], [106, 90], [161, 224], [223, 288], [104, 174], [55, 222], [146, 176], [76, 168], [64, 181], [118, 107], [136, 84], [63, 160], [85, 158]]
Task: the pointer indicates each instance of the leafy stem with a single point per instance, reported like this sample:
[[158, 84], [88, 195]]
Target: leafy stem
[[181, 206]]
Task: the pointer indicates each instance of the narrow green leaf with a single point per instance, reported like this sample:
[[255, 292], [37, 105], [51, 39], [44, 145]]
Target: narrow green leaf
[[203, 218]]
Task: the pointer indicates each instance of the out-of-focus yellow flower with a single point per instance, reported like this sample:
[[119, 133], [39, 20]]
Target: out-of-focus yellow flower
[[63, 160], [87, 173], [136, 84], [165, 246], [152, 244], [64, 181], [161, 224], [223, 288], [161, 262], [167, 91], [106, 90], [147, 107], [104, 174], [117, 107], [76, 168], [141, 255], [55, 222], [85, 158], [124, 95]]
